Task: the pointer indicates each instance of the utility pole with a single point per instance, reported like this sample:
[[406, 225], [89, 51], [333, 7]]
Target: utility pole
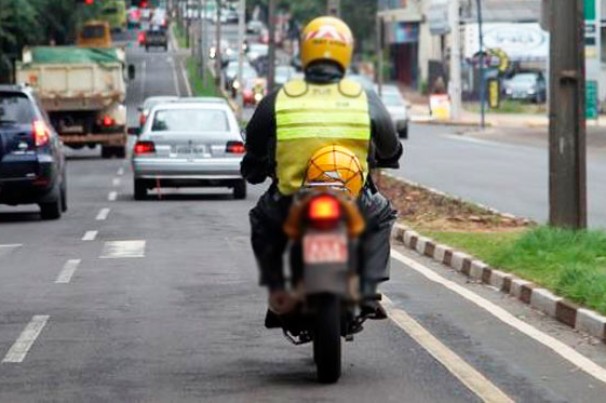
[[271, 56], [334, 8], [218, 55], [379, 54], [241, 18], [204, 41], [482, 67], [567, 147], [454, 84]]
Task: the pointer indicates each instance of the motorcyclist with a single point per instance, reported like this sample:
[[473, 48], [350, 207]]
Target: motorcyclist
[[322, 106]]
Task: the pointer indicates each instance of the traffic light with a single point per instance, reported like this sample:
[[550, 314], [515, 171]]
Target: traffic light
[[86, 2]]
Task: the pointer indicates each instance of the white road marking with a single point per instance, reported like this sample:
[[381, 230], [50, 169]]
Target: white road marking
[[185, 80], [143, 73], [116, 182], [8, 248], [103, 213], [123, 249], [469, 376], [120, 171], [175, 78], [562, 349], [68, 271], [90, 236], [26, 339], [112, 196]]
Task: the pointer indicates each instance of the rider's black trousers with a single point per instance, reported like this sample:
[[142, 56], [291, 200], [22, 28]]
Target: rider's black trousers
[[269, 240]]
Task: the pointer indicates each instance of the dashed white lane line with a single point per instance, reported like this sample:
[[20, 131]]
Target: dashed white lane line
[[26, 339], [469, 376], [102, 215], [562, 349], [120, 171], [116, 182], [8, 248], [112, 196], [123, 249], [68, 271], [89, 235]]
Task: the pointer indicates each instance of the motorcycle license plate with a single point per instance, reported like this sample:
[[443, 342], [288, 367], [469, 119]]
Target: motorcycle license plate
[[325, 248]]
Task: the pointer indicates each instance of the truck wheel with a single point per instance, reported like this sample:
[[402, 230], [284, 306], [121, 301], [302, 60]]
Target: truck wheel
[[240, 190], [120, 152], [106, 152], [140, 189]]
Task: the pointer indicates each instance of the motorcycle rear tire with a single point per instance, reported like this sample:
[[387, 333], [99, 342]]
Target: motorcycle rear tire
[[327, 338]]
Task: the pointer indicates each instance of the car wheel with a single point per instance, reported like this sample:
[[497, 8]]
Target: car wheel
[[240, 190], [147, 48], [403, 133], [140, 189], [63, 196], [51, 211]]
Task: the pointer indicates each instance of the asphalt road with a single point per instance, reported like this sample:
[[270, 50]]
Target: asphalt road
[[157, 301], [502, 169]]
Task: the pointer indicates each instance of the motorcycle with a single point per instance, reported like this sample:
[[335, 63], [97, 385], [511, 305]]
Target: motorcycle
[[323, 225]]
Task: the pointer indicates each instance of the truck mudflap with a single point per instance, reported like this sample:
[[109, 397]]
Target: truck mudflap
[[106, 139]]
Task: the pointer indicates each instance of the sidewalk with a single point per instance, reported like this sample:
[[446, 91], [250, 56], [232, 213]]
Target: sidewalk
[[419, 113]]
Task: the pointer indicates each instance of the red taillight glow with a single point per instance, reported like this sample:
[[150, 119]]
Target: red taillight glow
[[142, 119], [141, 37], [41, 133], [107, 121], [324, 208], [235, 147], [144, 147]]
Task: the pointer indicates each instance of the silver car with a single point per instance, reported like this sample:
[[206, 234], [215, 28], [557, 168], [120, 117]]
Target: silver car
[[397, 108], [189, 144]]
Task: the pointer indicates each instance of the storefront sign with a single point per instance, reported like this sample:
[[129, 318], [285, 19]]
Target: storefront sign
[[521, 42]]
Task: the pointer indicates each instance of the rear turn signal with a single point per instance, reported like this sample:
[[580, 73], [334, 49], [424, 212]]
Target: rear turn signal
[[107, 121], [235, 147], [144, 147], [324, 208], [41, 133]]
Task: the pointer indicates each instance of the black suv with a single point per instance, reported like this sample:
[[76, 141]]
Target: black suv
[[32, 165], [156, 38]]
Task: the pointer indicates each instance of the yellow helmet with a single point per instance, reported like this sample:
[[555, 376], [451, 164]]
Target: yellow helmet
[[336, 164], [327, 38]]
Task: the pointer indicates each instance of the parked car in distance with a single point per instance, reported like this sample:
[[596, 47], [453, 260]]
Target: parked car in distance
[[529, 86], [32, 164], [156, 37], [189, 144], [149, 103], [254, 27], [283, 74], [397, 108]]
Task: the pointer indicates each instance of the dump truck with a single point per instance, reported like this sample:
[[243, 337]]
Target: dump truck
[[83, 92]]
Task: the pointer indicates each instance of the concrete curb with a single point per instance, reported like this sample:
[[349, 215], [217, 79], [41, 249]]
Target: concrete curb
[[531, 294]]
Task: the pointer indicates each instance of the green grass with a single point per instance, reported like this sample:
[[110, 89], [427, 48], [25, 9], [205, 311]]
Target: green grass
[[509, 107], [572, 264], [179, 33], [200, 87]]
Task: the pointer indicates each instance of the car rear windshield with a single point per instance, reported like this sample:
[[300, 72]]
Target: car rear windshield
[[110, 11], [190, 120], [392, 100], [15, 108], [155, 33]]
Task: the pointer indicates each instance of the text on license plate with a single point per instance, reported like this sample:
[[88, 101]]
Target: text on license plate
[[325, 248]]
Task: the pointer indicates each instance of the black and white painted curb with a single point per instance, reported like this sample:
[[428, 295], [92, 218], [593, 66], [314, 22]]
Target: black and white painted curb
[[539, 298]]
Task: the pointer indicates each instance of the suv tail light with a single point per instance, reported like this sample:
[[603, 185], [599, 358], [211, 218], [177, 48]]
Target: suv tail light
[[144, 147], [41, 133], [235, 147], [324, 210]]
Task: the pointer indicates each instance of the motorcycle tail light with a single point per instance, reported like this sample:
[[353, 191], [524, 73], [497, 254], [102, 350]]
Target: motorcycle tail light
[[324, 209]]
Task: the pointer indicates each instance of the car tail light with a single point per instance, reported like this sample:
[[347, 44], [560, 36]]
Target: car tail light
[[324, 209], [141, 37], [107, 121], [235, 147], [144, 147], [41, 133]]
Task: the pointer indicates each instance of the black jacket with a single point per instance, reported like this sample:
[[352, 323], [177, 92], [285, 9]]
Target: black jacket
[[259, 161]]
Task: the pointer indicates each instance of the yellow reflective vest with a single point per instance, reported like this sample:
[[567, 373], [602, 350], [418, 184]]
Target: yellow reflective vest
[[311, 116]]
